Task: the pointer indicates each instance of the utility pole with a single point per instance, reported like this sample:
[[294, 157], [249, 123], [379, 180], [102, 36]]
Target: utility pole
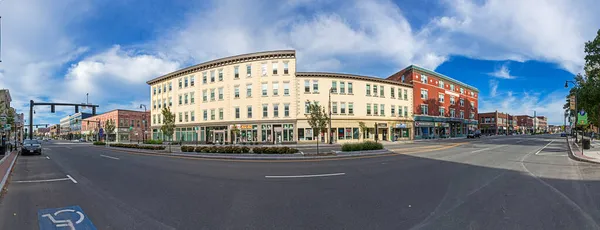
[[534, 120], [329, 131]]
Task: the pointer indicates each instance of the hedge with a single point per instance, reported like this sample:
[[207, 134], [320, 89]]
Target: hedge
[[239, 149], [136, 146], [153, 142], [367, 145], [99, 143]]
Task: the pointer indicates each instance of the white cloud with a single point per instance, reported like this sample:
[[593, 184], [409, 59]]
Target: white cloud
[[525, 103], [503, 73], [493, 88]]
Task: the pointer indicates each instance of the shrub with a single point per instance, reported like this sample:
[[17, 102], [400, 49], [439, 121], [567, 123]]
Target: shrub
[[153, 142], [187, 148], [367, 145], [99, 143], [136, 146], [245, 149]]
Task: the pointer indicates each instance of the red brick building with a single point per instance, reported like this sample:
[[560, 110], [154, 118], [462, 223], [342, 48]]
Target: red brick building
[[525, 123], [130, 125], [497, 123], [443, 107]]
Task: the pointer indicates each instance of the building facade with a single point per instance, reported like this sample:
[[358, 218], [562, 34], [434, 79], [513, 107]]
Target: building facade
[[130, 126], [498, 123], [541, 124], [260, 97], [70, 126], [55, 130], [443, 107]]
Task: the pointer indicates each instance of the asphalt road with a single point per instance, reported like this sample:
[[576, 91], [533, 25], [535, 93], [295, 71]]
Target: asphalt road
[[514, 182]]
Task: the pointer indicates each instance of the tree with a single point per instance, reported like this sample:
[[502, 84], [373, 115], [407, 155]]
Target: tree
[[168, 126], [363, 128], [109, 127], [317, 119]]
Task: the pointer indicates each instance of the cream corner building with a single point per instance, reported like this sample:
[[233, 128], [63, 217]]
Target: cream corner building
[[262, 97]]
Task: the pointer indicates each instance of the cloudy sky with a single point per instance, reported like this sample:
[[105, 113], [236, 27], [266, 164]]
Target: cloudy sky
[[517, 52]]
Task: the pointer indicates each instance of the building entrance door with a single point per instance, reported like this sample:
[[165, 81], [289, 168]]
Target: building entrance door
[[219, 137]]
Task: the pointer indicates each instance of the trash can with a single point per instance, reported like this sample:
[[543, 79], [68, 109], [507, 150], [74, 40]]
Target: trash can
[[586, 143]]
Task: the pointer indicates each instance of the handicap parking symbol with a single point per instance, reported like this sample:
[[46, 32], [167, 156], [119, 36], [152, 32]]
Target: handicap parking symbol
[[71, 218]]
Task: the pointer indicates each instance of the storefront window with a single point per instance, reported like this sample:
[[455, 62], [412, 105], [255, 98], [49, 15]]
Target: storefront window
[[340, 133], [301, 134], [348, 133], [355, 133]]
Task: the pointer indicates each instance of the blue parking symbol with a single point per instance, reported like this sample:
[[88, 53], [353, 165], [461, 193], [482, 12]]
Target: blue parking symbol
[[64, 218]]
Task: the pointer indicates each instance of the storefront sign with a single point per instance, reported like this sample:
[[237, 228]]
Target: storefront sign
[[423, 124], [400, 126], [245, 126], [381, 125]]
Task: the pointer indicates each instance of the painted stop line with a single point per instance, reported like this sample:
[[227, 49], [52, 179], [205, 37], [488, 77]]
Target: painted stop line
[[64, 218]]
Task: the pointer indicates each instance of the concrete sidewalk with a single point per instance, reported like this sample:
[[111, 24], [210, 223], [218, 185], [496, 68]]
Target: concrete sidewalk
[[6, 164], [588, 155]]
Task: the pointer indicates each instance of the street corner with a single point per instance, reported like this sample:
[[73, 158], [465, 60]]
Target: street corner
[[71, 217]]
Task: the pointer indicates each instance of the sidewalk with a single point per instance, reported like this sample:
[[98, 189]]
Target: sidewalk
[[588, 155], [6, 164]]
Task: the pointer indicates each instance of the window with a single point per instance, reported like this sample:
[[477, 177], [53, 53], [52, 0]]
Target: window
[[192, 116], [159, 103], [221, 93], [442, 111], [375, 110], [424, 109], [452, 113], [275, 89], [368, 109], [237, 112], [158, 89], [441, 84], [220, 113], [368, 90], [342, 87], [350, 108], [285, 68], [472, 105], [204, 80], [205, 114], [382, 92], [472, 94], [212, 94], [393, 110], [275, 110], [462, 91], [399, 111], [186, 117], [220, 74], [248, 70], [315, 86], [180, 117], [265, 110], [286, 88], [185, 101], [180, 83], [375, 90], [170, 86], [212, 114], [334, 87], [334, 107], [180, 99], [236, 92], [307, 107], [472, 116], [462, 114], [185, 84], [170, 101], [264, 89], [204, 96], [249, 109], [462, 102], [192, 80], [286, 110], [212, 76], [165, 102], [452, 100], [307, 86], [406, 95], [349, 87], [274, 68], [405, 111], [154, 90], [343, 107], [249, 90], [159, 119], [423, 79], [441, 98], [424, 94], [382, 109], [393, 92], [452, 87], [263, 68], [236, 72], [153, 119]]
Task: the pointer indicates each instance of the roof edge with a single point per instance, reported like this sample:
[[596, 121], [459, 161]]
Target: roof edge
[[413, 66], [352, 76]]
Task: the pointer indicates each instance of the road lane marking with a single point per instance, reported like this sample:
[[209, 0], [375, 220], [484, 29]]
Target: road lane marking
[[114, 158], [74, 181], [538, 152], [307, 176], [47, 157], [490, 148], [36, 181], [68, 147]]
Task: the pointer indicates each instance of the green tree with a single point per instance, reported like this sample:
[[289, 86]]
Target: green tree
[[363, 128], [588, 92], [168, 126], [317, 119], [109, 127]]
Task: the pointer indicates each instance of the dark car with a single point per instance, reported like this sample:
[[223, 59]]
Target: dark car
[[476, 134], [31, 147], [563, 134]]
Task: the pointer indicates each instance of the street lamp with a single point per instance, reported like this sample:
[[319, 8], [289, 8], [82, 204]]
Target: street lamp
[[576, 95], [143, 123]]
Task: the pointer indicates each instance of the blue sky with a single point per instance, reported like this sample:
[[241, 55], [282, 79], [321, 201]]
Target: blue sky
[[517, 53]]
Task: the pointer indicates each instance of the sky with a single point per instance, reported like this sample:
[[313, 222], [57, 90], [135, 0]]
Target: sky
[[517, 53]]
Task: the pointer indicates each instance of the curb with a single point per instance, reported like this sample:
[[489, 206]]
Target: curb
[[577, 158], [10, 167]]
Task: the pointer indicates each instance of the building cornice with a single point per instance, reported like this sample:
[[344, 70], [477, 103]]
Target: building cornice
[[350, 76], [442, 76], [267, 55]]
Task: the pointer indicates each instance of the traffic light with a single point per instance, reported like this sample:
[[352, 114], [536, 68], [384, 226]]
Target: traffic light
[[76, 109], [52, 108], [93, 111]]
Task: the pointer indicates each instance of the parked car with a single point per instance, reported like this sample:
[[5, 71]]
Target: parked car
[[476, 134], [563, 134], [31, 147]]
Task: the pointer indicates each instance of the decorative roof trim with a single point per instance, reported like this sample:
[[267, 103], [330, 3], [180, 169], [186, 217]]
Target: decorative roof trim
[[350, 76], [441, 76], [278, 54]]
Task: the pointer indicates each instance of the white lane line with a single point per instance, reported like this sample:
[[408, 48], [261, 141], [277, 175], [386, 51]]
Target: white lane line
[[306, 176], [538, 152], [490, 148], [74, 181], [35, 181], [68, 147], [47, 149], [114, 158], [47, 157]]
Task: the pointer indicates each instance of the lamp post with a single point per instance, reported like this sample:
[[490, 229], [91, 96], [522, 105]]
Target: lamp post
[[576, 99], [329, 131], [143, 123]]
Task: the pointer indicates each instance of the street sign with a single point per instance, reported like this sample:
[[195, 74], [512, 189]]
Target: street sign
[[7, 127], [572, 103], [582, 118]]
